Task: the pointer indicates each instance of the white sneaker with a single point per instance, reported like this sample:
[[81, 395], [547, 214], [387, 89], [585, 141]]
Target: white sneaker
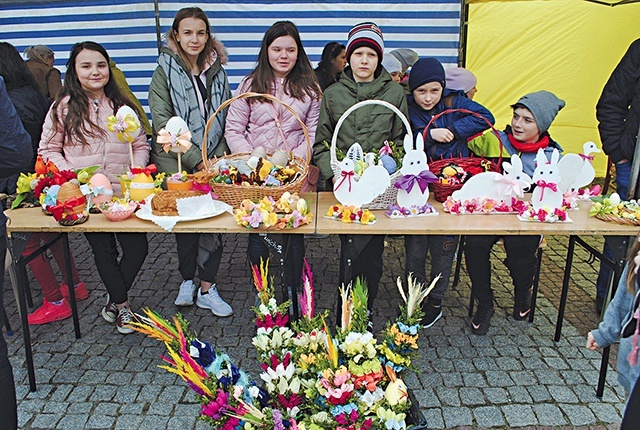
[[185, 296], [211, 300]]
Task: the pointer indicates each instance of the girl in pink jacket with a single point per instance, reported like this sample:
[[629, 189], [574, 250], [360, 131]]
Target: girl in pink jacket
[[75, 136], [284, 71]]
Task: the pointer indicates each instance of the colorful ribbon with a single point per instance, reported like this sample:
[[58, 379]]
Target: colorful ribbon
[[58, 210], [169, 140], [345, 175], [123, 126], [423, 179], [151, 168], [544, 184]]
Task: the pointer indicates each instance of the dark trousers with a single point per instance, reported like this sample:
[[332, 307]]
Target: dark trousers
[[199, 250], [521, 262], [118, 276], [615, 247], [442, 250], [8, 406], [364, 252], [262, 245], [631, 416]]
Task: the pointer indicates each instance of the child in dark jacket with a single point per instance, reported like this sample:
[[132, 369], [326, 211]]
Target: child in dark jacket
[[446, 137]]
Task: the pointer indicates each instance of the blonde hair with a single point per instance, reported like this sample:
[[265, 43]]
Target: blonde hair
[[39, 53]]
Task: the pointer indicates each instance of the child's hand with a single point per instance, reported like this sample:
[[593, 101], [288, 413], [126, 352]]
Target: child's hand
[[591, 342], [443, 135]]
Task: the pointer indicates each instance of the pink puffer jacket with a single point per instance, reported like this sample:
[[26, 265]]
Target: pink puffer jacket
[[251, 123], [105, 151]]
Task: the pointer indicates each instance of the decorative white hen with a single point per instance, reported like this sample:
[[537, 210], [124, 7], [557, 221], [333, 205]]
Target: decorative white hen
[[373, 182], [576, 169]]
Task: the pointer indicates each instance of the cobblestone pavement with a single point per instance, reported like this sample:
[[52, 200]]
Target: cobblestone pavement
[[516, 376]]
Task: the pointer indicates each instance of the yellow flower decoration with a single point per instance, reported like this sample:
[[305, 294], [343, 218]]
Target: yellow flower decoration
[[123, 126]]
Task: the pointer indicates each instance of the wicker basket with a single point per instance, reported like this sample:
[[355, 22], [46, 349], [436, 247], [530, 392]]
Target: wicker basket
[[389, 196], [442, 191], [234, 194], [617, 219]]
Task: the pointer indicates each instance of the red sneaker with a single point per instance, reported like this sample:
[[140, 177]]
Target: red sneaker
[[50, 312], [81, 291]]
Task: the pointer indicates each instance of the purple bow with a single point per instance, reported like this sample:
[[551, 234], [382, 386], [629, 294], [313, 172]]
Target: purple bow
[[423, 179], [587, 157]]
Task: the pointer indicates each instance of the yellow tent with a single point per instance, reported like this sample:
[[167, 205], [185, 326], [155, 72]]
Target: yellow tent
[[569, 47]]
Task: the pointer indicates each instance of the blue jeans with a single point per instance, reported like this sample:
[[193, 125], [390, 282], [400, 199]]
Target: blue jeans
[[614, 246]]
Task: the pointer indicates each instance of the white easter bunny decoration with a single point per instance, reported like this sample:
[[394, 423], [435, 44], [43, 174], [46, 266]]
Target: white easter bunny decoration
[[413, 186], [351, 191], [547, 195], [495, 186]]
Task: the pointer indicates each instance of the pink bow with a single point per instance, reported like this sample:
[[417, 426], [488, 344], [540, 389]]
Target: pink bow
[[511, 186], [345, 176], [587, 157], [170, 140], [544, 184]]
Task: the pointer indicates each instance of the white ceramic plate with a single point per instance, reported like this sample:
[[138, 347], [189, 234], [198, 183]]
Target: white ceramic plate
[[150, 217]]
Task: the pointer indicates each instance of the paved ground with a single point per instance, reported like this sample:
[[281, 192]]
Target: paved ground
[[516, 376]]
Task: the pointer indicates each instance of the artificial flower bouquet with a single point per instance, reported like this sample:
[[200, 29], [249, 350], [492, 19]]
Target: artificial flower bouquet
[[313, 379], [289, 211], [351, 214], [397, 211], [484, 206], [613, 208]]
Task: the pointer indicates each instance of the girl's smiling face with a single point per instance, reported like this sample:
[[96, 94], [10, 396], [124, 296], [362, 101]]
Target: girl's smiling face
[[192, 37], [93, 72], [283, 55]]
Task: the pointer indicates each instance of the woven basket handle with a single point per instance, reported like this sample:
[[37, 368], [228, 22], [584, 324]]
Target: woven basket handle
[[334, 138], [205, 156], [467, 111]]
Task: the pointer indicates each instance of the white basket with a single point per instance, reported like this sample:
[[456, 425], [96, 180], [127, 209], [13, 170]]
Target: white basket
[[389, 196]]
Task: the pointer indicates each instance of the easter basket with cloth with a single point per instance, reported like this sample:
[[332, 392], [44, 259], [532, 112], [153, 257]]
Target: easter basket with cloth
[[442, 190], [234, 194], [389, 196]]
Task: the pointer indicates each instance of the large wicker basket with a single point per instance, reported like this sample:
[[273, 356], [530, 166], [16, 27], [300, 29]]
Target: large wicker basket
[[618, 219], [389, 196], [440, 190], [234, 194]]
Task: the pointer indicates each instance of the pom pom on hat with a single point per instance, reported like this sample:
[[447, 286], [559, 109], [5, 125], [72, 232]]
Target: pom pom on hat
[[391, 64], [426, 70], [544, 107], [459, 78], [365, 34], [407, 57]]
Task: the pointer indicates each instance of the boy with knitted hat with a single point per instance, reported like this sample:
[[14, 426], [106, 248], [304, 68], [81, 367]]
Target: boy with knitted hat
[[364, 78], [446, 137], [532, 116]]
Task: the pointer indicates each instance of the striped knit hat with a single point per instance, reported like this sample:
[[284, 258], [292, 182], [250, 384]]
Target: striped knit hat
[[365, 34]]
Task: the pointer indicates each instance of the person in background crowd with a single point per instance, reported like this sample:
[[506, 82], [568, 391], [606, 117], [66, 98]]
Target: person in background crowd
[[284, 71], [191, 83], [75, 136], [445, 138], [121, 82], [331, 64], [460, 79], [618, 114], [15, 147], [393, 66], [620, 323], [363, 79], [26, 97], [40, 62], [532, 116], [407, 58]]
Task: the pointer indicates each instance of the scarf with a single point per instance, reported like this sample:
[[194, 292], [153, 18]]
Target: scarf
[[528, 146], [185, 101]]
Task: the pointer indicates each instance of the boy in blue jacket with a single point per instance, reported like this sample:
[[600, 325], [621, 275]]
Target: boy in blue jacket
[[446, 137]]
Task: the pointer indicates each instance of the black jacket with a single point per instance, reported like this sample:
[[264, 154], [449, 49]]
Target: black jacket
[[618, 110], [32, 107]]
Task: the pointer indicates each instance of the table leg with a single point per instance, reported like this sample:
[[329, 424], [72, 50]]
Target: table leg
[[72, 292], [565, 286], [26, 334]]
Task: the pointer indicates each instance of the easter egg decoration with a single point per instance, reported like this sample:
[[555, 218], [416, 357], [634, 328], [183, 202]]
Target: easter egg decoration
[[71, 205], [175, 137], [101, 191]]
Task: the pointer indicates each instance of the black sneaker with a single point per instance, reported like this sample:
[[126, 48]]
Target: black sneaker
[[432, 313], [482, 318], [522, 305]]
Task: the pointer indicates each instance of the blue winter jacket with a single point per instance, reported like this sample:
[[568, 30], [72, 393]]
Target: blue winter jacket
[[462, 125]]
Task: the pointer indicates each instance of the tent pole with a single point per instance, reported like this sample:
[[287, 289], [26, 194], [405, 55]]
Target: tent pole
[[464, 21], [156, 9]]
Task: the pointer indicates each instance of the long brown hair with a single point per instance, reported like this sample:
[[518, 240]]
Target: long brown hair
[[631, 267], [196, 13], [301, 80], [78, 122]]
